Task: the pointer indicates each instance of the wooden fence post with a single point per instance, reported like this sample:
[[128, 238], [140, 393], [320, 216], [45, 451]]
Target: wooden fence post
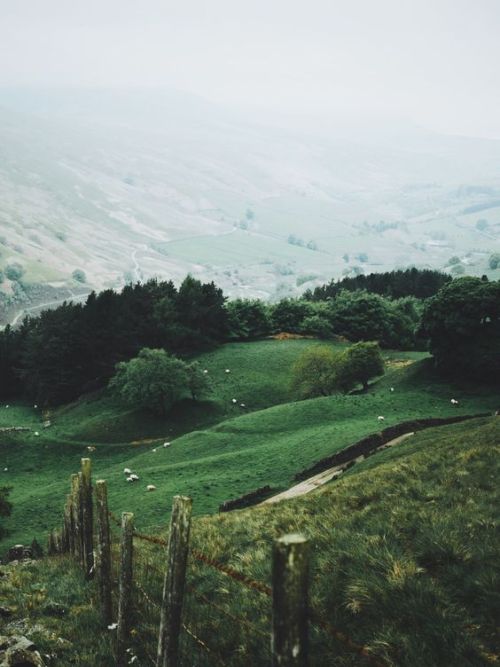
[[66, 534], [75, 506], [125, 588], [173, 587], [290, 602], [87, 518], [103, 551]]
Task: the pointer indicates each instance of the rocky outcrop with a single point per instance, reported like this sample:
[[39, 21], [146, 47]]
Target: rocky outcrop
[[18, 651]]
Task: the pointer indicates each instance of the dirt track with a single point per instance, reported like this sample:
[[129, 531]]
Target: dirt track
[[327, 475]]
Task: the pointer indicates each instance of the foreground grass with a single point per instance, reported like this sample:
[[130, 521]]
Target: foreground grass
[[404, 560]]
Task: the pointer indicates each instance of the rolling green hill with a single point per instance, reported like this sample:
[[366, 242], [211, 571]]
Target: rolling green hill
[[218, 451], [404, 561]]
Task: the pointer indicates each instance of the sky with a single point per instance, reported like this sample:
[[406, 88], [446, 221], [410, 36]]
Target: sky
[[431, 62]]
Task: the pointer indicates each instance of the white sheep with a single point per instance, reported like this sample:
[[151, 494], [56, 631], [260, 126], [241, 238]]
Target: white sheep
[[35, 406], [151, 487], [36, 433], [91, 448], [205, 370], [6, 470], [392, 388], [127, 471], [242, 405], [113, 626], [154, 450], [134, 477], [166, 444], [227, 370], [129, 479], [454, 401], [380, 418], [234, 400]]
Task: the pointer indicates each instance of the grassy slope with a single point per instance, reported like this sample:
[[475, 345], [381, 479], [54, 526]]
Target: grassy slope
[[404, 560], [213, 464]]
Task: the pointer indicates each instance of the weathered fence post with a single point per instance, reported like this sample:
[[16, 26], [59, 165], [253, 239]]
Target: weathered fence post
[[75, 507], [290, 601], [125, 587], [51, 547], [66, 534], [103, 551], [87, 518], [173, 587]]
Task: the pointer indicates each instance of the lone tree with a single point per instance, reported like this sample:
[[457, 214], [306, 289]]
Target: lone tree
[[315, 372], [462, 325], [358, 364], [153, 380]]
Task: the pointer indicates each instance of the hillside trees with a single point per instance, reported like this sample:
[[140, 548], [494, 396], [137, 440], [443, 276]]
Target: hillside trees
[[320, 371], [64, 352], [247, 318], [153, 380], [462, 323]]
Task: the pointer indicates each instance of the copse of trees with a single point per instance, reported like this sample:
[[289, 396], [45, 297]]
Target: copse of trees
[[420, 283], [462, 324], [321, 371]]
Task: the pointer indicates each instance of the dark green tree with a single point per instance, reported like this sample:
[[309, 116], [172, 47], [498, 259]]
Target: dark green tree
[[462, 325], [5, 506], [153, 380], [315, 372], [358, 364]]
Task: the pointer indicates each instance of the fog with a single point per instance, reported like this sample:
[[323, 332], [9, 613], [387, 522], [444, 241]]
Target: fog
[[432, 63]]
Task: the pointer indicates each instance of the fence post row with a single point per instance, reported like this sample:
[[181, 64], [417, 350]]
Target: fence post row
[[289, 644], [87, 518], [125, 587], [173, 587], [103, 551]]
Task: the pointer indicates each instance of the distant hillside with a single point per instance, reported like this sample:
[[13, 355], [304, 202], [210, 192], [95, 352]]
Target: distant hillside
[[126, 186]]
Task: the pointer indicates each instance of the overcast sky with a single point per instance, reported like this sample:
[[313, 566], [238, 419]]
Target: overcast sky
[[434, 62]]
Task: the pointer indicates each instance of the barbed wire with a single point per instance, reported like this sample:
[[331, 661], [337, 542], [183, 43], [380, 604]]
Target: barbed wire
[[234, 574], [263, 588], [199, 642], [233, 617]]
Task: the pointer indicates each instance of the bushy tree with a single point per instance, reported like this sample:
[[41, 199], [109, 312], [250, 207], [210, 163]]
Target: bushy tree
[[247, 318], [288, 314], [358, 364], [315, 372], [317, 325], [79, 276], [14, 271], [154, 380], [462, 324]]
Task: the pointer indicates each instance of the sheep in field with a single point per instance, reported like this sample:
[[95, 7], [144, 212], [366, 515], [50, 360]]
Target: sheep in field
[[454, 401], [380, 418], [151, 487], [127, 471]]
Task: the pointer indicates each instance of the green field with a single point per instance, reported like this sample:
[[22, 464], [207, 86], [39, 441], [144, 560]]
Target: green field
[[404, 561], [219, 450]]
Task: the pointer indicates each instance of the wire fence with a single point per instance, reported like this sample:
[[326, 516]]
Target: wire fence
[[170, 612]]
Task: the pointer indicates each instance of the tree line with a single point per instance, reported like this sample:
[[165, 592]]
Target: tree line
[[74, 349]]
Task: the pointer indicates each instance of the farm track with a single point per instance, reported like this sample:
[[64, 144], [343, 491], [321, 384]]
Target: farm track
[[327, 475]]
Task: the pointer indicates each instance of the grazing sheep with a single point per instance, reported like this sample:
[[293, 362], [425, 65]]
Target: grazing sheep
[[91, 448], [392, 388], [154, 450], [151, 487], [242, 405], [6, 470], [113, 626], [35, 406], [6, 406], [234, 400], [129, 479], [227, 370], [166, 444], [134, 477], [127, 471], [36, 433], [380, 418], [206, 370], [454, 401]]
